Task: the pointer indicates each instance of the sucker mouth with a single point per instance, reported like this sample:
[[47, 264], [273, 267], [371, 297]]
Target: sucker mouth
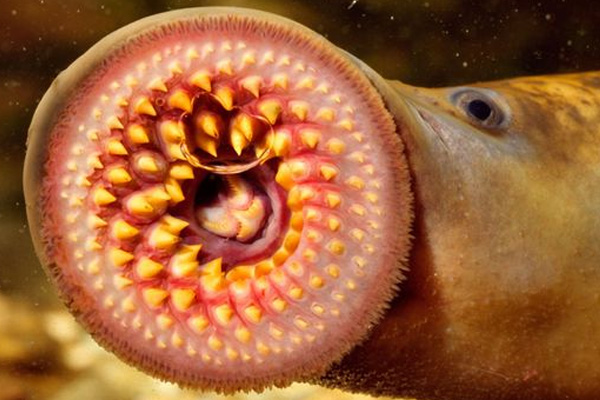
[[222, 195]]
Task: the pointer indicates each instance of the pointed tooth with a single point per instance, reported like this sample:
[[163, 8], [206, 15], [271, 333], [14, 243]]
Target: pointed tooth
[[282, 143], [252, 85], [118, 176], [225, 67], [263, 268], [174, 190], [158, 84], [120, 257], [175, 68], [243, 334], [239, 273], [284, 176], [144, 106], [224, 314], [326, 114], [114, 123], [137, 134], [173, 225], [154, 297], [103, 197], [198, 323], [147, 268], [96, 222], [138, 205], [336, 146], [116, 148], [244, 124], [238, 141], [181, 171], [162, 239], [333, 199], [279, 304], [299, 109], [270, 109], [310, 137], [280, 80], [333, 224], [207, 144], [147, 164], [123, 231], [209, 123], [253, 313], [328, 172], [172, 132], [182, 298], [212, 267], [180, 100], [215, 343], [201, 79], [224, 96]]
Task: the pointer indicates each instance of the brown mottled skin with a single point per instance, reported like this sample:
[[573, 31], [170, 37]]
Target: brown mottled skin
[[502, 299]]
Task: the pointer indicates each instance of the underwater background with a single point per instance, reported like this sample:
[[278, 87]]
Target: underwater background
[[44, 354]]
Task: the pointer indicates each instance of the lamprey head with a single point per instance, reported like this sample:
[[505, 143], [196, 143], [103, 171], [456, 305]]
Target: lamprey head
[[220, 197]]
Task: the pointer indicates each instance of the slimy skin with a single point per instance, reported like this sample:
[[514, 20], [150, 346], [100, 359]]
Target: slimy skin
[[226, 201], [501, 300], [210, 191]]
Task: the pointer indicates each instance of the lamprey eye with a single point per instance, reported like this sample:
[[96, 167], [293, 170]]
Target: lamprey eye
[[481, 106], [220, 197]]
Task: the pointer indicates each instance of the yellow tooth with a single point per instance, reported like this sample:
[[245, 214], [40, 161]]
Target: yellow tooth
[[158, 84], [172, 132], [280, 80], [357, 234], [192, 54], [96, 222], [306, 83], [207, 144], [144, 106], [223, 314], [284, 176], [282, 143], [209, 124], [137, 134], [215, 343], [114, 123], [147, 268], [358, 210], [326, 114], [94, 162], [336, 146], [333, 224], [336, 247], [158, 196], [162, 239], [182, 298], [213, 283], [139, 205], [177, 340], [346, 124], [176, 225], [328, 172], [120, 257], [291, 241], [183, 268], [301, 323], [122, 282], [244, 124], [189, 251], [154, 297], [181, 171], [279, 305], [224, 95], [116, 148], [213, 267], [174, 190], [263, 349], [180, 100], [103, 197], [310, 138], [175, 68], [297, 221], [243, 334], [299, 109], [199, 323], [118, 176], [333, 200], [280, 256], [355, 182], [263, 268], [238, 141], [147, 164], [253, 313], [268, 58], [270, 109], [123, 231], [201, 79], [252, 84], [284, 60], [296, 293], [240, 273], [248, 58], [174, 151], [316, 282], [306, 194], [225, 67]]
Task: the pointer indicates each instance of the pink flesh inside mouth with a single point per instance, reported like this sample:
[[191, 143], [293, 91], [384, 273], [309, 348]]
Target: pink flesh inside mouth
[[223, 210]]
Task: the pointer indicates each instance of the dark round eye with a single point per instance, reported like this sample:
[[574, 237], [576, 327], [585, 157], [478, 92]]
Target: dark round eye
[[480, 107]]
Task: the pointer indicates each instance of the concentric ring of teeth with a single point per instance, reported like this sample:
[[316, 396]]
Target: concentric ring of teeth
[[155, 131]]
